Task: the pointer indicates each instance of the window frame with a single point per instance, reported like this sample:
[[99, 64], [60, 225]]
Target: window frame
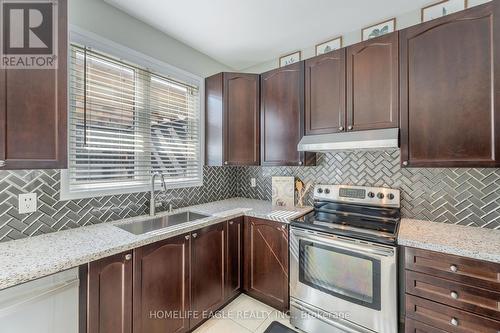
[[93, 41]]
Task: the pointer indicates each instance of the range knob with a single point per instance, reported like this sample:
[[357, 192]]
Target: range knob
[[320, 190], [390, 196], [380, 195], [327, 191], [371, 195]]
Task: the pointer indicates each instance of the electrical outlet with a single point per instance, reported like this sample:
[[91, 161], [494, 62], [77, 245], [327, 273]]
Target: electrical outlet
[[253, 183], [27, 203]]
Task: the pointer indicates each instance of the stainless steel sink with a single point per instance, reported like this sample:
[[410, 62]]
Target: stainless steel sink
[[157, 223]]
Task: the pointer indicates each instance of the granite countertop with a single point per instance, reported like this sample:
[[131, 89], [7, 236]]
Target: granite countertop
[[472, 242], [34, 257]]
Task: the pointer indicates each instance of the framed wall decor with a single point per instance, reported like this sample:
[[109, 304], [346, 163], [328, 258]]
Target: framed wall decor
[[283, 194], [378, 29], [442, 8], [329, 45], [290, 58]]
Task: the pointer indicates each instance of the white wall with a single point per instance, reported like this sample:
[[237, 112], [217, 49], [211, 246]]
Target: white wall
[[102, 19], [402, 21]]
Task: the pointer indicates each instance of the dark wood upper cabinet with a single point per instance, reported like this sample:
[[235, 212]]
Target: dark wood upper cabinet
[[234, 257], [325, 93], [207, 271], [33, 111], [266, 262], [450, 77], [282, 117], [161, 285], [373, 84], [232, 119], [110, 295]]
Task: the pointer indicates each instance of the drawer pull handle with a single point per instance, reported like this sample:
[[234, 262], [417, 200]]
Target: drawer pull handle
[[454, 321], [454, 295], [454, 268]]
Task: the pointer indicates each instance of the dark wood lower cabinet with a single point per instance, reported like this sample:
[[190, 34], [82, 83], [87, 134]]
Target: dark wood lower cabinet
[[234, 257], [110, 295], [173, 285], [413, 326], [207, 272], [161, 287], [266, 262], [448, 293]]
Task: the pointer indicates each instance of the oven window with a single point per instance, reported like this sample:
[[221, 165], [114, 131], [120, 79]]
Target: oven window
[[341, 273]]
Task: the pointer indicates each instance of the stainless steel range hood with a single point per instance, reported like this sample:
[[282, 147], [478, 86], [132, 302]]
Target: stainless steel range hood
[[373, 139]]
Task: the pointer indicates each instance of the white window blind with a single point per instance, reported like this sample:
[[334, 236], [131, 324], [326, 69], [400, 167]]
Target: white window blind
[[127, 122]]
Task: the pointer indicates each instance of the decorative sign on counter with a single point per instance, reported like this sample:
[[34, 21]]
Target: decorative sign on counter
[[283, 191]]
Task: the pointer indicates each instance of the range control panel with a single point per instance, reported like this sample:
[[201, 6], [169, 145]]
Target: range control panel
[[373, 196]]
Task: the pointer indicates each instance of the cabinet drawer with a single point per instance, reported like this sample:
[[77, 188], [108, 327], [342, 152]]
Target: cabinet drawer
[[469, 271], [469, 298], [413, 326], [447, 318]]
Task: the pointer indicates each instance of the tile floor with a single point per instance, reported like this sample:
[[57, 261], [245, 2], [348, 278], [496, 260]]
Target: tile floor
[[243, 315]]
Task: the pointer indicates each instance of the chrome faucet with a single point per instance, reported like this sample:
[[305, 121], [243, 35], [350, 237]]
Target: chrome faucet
[[152, 201]]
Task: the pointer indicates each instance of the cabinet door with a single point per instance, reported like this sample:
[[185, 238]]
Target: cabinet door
[[373, 84], [241, 123], [33, 111], [214, 120], [207, 269], [110, 295], [282, 116], [161, 286], [450, 93], [266, 262], [325, 95], [234, 251]]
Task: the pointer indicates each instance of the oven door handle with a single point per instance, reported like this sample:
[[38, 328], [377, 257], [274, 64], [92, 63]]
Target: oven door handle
[[342, 324], [341, 243]]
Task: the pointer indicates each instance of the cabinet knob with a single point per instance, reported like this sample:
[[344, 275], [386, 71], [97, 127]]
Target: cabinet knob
[[300, 163], [225, 162], [454, 268], [231, 222], [187, 237], [128, 257], [2, 164], [454, 295], [341, 128], [195, 235], [405, 163], [350, 127], [454, 321], [283, 226]]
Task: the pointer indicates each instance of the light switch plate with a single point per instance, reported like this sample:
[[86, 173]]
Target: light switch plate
[[27, 203], [253, 182]]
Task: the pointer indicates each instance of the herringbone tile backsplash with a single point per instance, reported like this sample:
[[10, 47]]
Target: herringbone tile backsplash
[[461, 196], [53, 215]]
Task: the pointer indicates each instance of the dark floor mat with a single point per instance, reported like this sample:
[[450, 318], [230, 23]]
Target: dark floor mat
[[277, 327]]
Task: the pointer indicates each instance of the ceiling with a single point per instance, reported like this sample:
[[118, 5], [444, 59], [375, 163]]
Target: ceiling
[[243, 33]]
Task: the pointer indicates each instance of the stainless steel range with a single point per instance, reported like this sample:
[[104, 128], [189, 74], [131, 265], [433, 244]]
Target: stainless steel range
[[343, 261]]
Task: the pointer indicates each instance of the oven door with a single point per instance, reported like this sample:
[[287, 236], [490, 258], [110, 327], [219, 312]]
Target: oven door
[[352, 280]]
